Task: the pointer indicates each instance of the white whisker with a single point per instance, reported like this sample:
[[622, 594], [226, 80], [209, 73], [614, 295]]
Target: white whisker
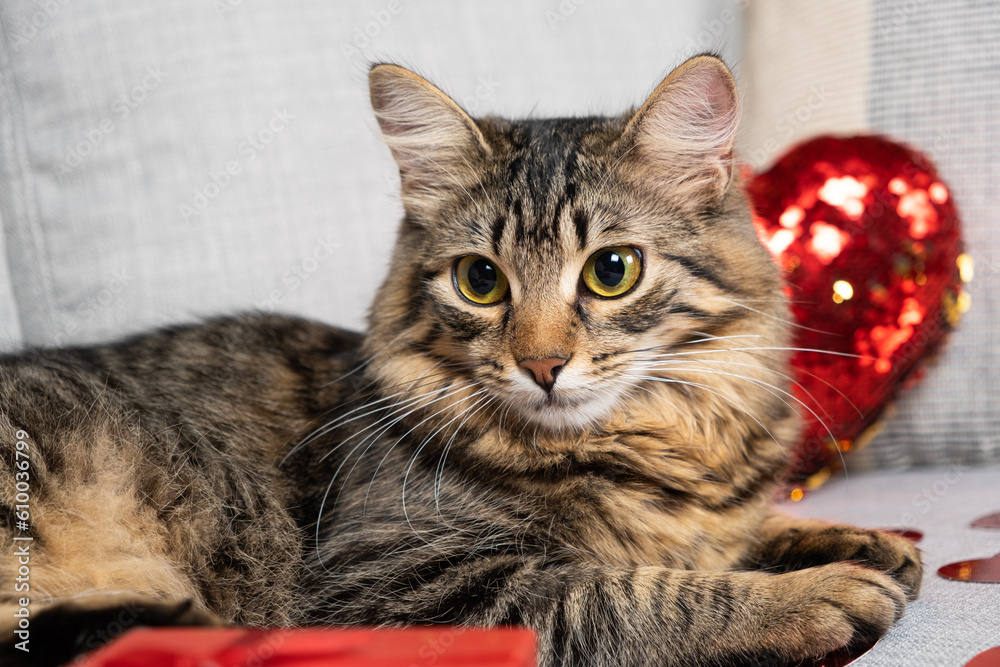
[[711, 390], [373, 436], [776, 318], [411, 430], [409, 467]]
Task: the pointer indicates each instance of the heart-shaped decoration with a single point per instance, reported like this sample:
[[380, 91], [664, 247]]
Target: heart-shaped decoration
[[988, 521], [911, 534], [988, 658], [868, 238], [842, 657], [982, 570]]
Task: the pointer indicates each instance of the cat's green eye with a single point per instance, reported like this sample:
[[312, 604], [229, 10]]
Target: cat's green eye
[[479, 280], [611, 272]]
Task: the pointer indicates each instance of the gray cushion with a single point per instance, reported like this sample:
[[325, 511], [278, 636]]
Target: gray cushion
[[167, 161], [10, 327]]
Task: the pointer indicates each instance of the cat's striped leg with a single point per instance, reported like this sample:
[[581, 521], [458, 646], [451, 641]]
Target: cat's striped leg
[[651, 615], [788, 543]]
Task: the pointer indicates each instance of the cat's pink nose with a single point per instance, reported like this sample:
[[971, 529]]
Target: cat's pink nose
[[544, 371]]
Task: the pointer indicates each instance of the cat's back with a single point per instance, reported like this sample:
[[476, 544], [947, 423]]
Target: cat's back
[[225, 373], [152, 464]]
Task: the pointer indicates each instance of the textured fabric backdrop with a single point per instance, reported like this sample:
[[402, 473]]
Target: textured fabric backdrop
[[935, 82], [165, 161], [927, 73], [10, 328]]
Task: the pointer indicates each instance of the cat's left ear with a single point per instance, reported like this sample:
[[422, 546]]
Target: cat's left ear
[[432, 139], [681, 139]]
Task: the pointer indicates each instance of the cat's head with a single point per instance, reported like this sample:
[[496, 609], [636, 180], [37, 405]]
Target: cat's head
[[545, 269]]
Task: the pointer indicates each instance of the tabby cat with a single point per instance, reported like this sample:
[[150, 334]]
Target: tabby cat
[[569, 412]]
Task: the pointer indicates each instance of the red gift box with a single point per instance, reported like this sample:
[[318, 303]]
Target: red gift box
[[444, 646]]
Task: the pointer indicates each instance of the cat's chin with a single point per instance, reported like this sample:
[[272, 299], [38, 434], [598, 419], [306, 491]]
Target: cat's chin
[[562, 413]]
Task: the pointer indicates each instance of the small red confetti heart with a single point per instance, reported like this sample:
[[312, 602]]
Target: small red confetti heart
[[988, 521], [982, 570], [839, 658], [988, 658], [910, 534], [868, 238]]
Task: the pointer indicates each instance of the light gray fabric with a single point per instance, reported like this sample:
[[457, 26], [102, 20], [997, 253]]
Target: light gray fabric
[[928, 75], [935, 83], [952, 620], [805, 73], [93, 184], [10, 326]]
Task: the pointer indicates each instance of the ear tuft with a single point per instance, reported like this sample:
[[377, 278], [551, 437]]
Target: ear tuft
[[682, 137], [430, 136]]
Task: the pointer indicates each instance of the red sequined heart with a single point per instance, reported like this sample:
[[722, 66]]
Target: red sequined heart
[[983, 570], [869, 241]]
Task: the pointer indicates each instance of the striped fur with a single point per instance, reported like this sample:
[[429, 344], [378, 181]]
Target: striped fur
[[287, 472]]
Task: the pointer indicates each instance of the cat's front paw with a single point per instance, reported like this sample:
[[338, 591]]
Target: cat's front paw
[[874, 549], [826, 608]]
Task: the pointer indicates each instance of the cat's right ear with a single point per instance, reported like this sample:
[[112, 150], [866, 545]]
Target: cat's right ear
[[681, 139], [432, 139]]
